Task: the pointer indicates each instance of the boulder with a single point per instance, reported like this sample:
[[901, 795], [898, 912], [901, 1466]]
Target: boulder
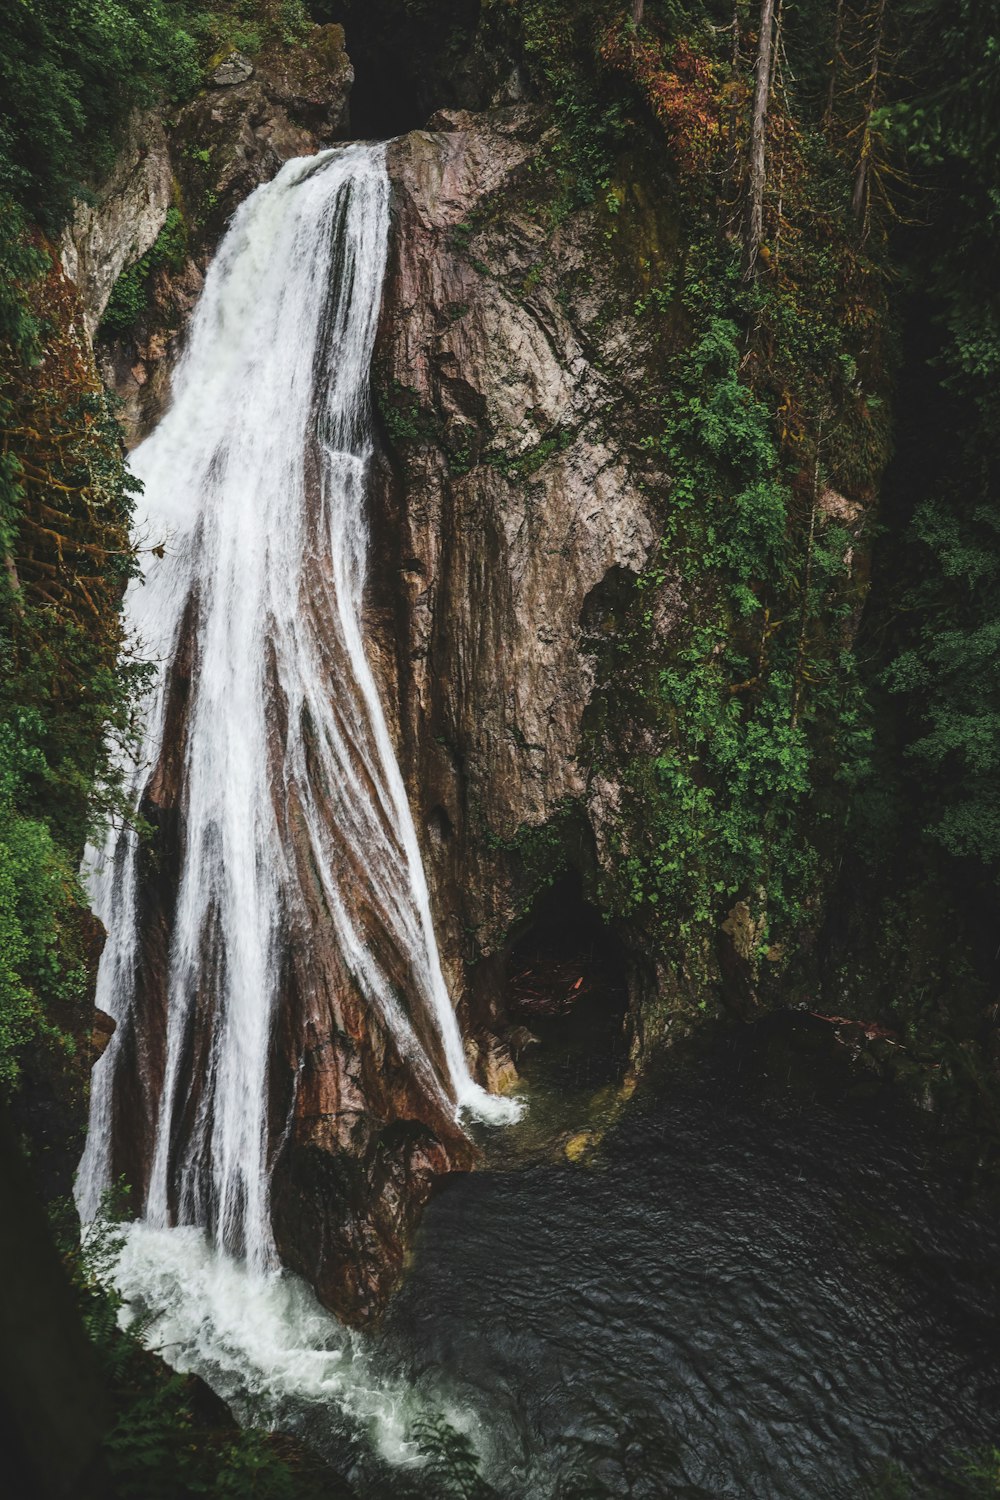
[[236, 68]]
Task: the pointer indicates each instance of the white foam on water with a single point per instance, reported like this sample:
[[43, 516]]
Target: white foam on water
[[262, 1341]]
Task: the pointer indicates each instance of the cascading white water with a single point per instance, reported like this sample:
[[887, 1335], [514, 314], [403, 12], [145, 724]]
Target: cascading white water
[[256, 478]]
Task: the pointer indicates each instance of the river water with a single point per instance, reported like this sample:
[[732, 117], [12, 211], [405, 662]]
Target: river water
[[771, 1278], [759, 1274]]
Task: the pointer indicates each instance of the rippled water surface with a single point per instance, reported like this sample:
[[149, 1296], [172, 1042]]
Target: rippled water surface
[[769, 1280]]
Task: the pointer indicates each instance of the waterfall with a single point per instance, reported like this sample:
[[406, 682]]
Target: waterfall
[[255, 484]]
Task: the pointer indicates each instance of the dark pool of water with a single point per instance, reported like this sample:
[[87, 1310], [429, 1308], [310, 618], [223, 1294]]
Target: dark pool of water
[[771, 1279]]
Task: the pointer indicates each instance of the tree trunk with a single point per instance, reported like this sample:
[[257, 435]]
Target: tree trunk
[[731, 205], [831, 90], [775, 48], [800, 652], [861, 195], [758, 140], [637, 9]]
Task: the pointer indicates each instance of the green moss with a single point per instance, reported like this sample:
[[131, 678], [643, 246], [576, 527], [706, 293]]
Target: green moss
[[42, 960], [405, 418], [523, 465], [130, 294]]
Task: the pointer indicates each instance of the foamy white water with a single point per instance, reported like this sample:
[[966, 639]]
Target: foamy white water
[[256, 479], [261, 1340]]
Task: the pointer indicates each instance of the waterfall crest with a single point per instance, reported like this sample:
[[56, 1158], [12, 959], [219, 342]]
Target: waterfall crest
[[290, 798]]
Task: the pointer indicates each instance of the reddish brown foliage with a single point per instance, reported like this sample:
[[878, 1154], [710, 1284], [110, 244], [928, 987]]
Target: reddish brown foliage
[[72, 526], [680, 89]]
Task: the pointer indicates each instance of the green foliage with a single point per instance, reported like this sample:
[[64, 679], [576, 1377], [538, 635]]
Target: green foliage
[[924, 857], [449, 1469], [754, 710], [557, 43], [294, 20], [72, 71], [969, 1476], [980, 1474], [69, 76], [524, 465], [130, 293], [405, 420], [65, 505], [733, 658], [40, 902], [451, 1464], [944, 673], [21, 264]]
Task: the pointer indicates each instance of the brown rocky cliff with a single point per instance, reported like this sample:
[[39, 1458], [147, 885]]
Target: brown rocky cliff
[[515, 492]]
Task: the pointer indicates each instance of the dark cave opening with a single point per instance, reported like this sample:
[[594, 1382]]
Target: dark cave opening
[[567, 986], [406, 65]]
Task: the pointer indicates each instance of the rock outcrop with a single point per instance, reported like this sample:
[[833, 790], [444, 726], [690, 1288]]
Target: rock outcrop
[[516, 493], [120, 225]]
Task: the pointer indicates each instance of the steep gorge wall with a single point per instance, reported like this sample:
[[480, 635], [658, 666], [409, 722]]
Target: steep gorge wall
[[519, 502], [514, 491], [527, 603]]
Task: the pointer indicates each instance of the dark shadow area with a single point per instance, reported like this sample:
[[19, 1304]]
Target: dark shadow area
[[567, 985], [406, 65], [54, 1408]]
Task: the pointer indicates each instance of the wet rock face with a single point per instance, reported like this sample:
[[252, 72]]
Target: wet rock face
[[511, 495], [357, 1134], [122, 223], [253, 117]]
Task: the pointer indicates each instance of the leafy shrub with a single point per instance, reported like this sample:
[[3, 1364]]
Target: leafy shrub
[[130, 293], [40, 899], [65, 556], [69, 77]]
